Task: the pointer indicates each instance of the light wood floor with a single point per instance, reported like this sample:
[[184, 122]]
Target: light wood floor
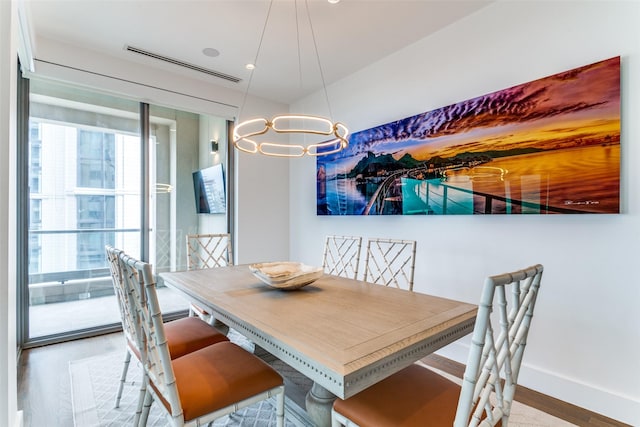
[[44, 389]]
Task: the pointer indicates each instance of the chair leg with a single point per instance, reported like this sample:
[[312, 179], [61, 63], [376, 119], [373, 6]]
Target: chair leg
[[280, 409], [123, 377], [211, 319], [192, 312], [141, 401], [148, 401]]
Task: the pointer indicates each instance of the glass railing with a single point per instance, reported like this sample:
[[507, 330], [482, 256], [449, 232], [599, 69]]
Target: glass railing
[[65, 297], [60, 276]]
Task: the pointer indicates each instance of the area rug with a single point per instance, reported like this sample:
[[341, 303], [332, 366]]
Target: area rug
[[94, 383]]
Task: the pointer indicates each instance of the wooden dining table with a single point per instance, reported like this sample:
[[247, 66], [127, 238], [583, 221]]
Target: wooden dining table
[[343, 334]]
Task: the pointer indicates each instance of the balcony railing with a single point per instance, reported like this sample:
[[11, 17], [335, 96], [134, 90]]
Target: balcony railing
[[69, 275], [77, 284]]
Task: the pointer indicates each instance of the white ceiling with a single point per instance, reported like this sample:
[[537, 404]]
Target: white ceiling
[[349, 35]]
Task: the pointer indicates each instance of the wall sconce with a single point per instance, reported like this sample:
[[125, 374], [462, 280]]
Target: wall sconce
[[214, 146]]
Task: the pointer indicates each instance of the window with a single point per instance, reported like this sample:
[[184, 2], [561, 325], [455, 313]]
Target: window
[[96, 154], [85, 162]]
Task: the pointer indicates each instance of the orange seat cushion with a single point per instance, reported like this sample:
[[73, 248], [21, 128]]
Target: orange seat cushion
[[413, 397], [186, 335], [189, 334], [218, 376]]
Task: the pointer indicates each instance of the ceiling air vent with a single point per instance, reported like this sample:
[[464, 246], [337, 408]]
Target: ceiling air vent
[[183, 64]]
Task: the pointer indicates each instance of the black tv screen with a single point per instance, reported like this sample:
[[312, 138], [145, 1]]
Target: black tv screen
[[208, 186]]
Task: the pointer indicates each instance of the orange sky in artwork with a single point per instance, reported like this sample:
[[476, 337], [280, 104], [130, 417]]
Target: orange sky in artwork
[[564, 106], [542, 134], [580, 103]]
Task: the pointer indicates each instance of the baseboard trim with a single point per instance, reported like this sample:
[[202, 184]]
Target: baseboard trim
[[605, 402], [619, 407]]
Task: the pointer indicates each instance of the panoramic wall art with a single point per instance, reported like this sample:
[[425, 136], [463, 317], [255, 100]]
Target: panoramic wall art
[[550, 146]]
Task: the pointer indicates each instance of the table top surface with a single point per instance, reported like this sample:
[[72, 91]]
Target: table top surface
[[336, 329]]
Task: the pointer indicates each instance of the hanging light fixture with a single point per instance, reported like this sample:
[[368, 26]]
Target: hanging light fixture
[[257, 135]]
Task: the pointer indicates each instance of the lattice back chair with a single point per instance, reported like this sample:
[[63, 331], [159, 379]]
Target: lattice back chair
[[208, 251], [342, 256], [183, 335], [417, 396], [390, 262], [203, 385]]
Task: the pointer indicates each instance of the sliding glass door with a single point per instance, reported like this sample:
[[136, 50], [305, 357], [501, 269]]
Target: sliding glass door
[[102, 170]]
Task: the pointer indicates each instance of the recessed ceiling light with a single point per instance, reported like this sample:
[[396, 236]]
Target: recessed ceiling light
[[250, 66], [209, 51], [334, 1]]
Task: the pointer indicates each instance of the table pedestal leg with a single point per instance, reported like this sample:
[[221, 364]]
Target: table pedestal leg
[[318, 402]]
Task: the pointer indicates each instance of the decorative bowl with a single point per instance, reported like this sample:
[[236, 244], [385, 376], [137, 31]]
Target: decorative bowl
[[286, 275]]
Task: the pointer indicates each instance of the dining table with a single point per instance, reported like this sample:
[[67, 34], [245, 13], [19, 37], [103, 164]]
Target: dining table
[[343, 334]]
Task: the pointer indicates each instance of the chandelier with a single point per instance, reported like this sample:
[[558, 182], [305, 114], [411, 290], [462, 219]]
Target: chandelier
[[258, 135]]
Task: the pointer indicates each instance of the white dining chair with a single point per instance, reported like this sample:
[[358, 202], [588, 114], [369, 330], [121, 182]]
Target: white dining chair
[[183, 335], [212, 251], [417, 396], [201, 386], [207, 251], [342, 256], [390, 262]]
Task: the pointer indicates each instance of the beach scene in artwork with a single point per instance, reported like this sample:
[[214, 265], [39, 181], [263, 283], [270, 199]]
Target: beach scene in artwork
[[550, 146]]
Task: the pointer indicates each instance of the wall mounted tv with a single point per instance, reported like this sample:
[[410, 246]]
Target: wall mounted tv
[[208, 186]]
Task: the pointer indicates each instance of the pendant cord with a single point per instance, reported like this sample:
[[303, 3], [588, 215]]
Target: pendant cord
[[315, 45], [255, 60], [298, 40]]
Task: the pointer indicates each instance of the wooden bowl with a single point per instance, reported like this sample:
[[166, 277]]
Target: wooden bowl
[[286, 275]]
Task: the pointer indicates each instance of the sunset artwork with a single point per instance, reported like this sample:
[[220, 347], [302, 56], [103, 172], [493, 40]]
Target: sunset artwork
[[550, 146]]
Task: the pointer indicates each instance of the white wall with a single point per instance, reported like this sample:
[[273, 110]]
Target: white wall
[[8, 64], [262, 227], [585, 343]]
